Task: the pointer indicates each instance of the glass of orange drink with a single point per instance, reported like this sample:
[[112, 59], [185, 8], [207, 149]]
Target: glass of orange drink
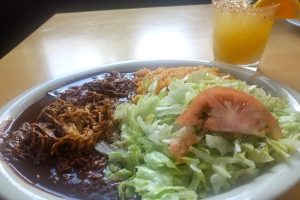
[[241, 31]]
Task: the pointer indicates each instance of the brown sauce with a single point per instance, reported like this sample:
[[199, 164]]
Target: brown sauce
[[70, 185], [84, 179]]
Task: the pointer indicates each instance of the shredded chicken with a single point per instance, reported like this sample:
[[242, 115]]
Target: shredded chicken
[[70, 126]]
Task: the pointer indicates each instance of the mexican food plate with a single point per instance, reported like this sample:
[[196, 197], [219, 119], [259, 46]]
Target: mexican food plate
[[162, 129]]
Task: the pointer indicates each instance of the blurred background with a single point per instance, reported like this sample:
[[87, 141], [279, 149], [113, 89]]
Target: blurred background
[[19, 18]]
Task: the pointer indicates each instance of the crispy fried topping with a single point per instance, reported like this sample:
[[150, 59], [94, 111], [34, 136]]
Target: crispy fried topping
[[70, 126]]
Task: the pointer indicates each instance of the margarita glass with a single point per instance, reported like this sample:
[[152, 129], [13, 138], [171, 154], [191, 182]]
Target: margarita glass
[[241, 31]]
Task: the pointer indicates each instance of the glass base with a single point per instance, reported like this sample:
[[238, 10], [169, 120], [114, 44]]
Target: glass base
[[252, 67], [255, 68]]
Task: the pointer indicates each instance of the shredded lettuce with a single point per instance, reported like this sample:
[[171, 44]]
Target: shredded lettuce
[[219, 143], [143, 165]]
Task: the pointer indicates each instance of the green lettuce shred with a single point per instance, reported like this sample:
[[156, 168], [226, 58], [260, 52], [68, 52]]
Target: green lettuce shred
[[144, 167]]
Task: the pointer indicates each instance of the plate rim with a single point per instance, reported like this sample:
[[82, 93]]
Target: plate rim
[[294, 22]]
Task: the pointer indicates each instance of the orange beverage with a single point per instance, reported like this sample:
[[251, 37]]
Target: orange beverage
[[241, 31]]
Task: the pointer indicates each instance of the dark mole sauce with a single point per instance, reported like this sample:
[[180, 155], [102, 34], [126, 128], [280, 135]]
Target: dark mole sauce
[[73, 184], [68, 185]]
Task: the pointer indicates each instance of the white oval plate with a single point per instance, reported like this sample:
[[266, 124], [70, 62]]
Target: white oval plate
[[268, 185]]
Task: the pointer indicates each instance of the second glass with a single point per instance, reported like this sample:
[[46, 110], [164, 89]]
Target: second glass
[[241, 31]]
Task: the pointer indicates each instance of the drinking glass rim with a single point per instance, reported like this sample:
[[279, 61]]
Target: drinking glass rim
[[229, 5]]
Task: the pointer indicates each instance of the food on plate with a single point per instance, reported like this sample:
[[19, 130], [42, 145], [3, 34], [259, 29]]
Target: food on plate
[[55, 150], [198, 134], [169, 133], [163, 76], [229, 110]]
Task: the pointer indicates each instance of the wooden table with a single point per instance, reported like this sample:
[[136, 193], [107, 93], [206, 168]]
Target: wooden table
[[71, 42]]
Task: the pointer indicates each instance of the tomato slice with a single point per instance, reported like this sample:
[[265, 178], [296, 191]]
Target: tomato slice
[[180, 145], [224, 109]]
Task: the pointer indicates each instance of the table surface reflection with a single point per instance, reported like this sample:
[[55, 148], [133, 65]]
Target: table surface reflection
[[70, 42]]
